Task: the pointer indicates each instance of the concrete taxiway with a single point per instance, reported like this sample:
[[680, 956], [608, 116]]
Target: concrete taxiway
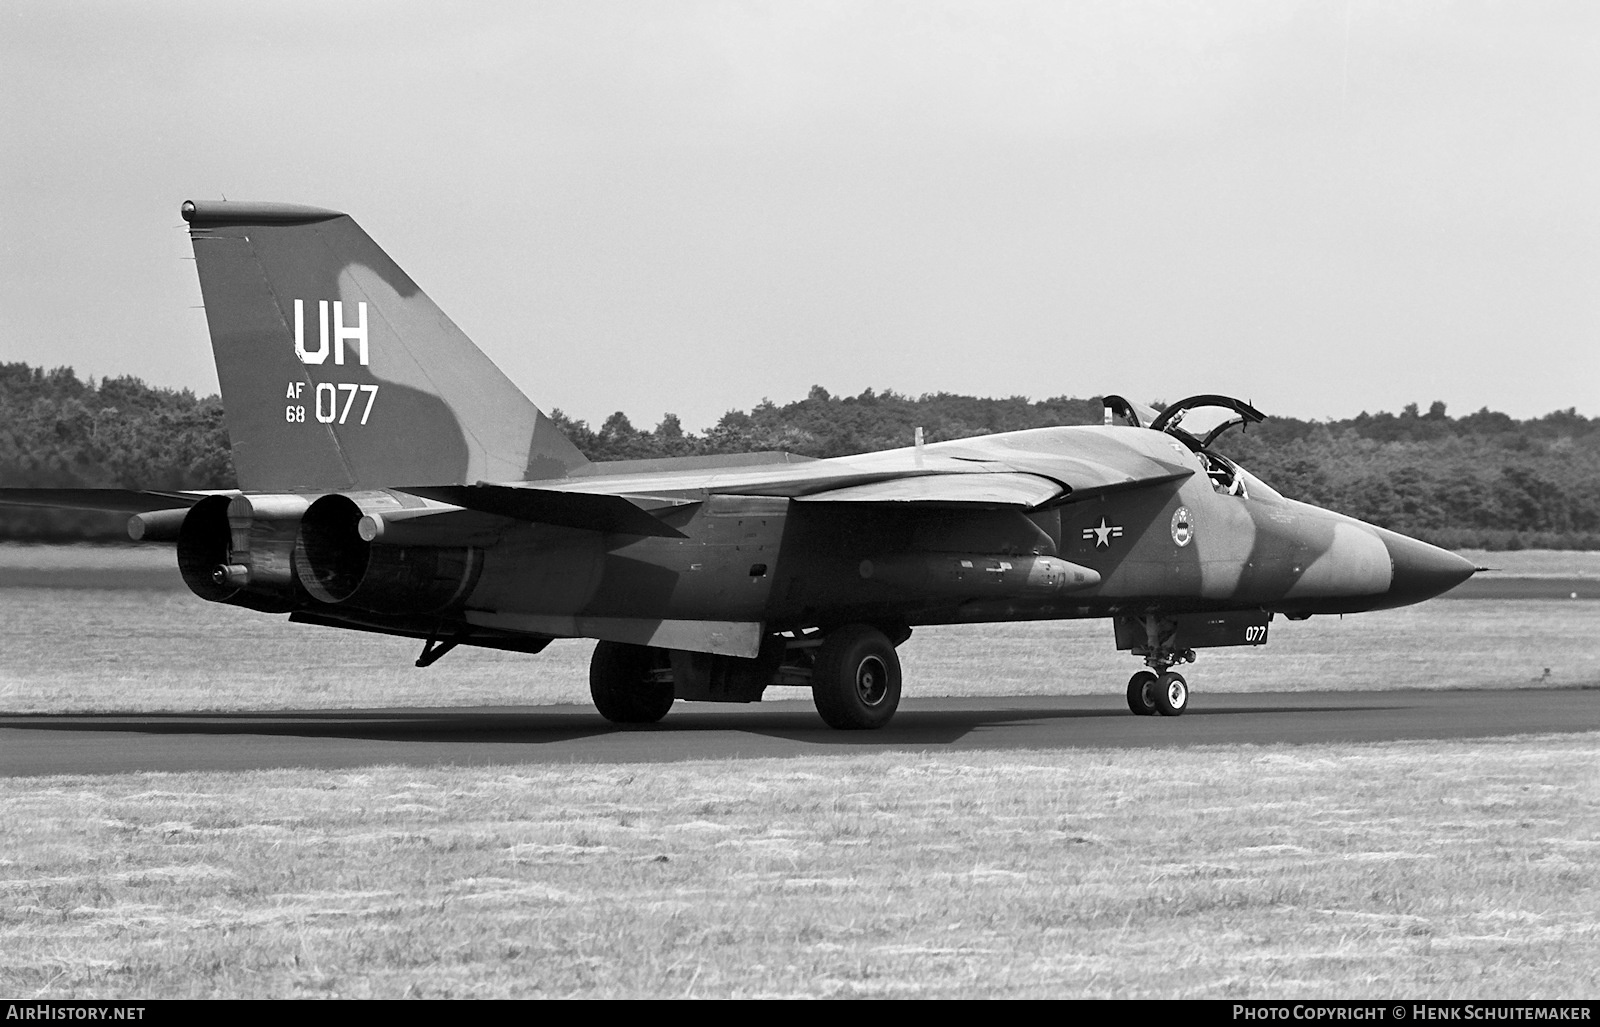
[[33, 745]]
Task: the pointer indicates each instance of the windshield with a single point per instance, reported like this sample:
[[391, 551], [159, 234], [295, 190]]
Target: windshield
[[1229, 479], [1255, 487]]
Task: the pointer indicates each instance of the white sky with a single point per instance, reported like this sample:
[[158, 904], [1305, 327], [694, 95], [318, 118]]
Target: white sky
[[684, 206]]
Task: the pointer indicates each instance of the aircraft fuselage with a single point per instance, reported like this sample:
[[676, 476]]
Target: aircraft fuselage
[[750, 565]]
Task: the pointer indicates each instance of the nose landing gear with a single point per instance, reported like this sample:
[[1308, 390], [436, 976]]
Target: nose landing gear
[[1142, 694], [1150, 693], [1172, 694], [1159, 690]]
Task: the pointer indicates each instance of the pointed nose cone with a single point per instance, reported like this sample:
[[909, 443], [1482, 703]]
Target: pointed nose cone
[[1422, 571]]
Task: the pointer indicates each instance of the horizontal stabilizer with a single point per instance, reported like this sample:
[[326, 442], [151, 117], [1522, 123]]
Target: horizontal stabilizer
[[590, 511], [113, 500], [989, 489]]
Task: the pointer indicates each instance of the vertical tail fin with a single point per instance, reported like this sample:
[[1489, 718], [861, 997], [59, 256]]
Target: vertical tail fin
[[337, 372]]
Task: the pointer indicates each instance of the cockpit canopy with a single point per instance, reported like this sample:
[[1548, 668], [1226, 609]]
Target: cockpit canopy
[[1197, 422]]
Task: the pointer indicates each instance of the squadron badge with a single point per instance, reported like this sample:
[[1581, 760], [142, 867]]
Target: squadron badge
[[1182, 527]]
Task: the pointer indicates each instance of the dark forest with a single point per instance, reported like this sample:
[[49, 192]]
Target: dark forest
[[1479, 480]]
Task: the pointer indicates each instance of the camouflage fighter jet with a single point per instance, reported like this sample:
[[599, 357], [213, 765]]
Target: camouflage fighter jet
[[394, 480]]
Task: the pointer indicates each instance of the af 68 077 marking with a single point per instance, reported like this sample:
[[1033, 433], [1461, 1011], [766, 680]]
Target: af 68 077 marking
[[327, 409]]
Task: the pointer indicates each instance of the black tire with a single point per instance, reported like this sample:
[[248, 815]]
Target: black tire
[[1172, 695], [1142, 693], [619, 682], [855, 680]]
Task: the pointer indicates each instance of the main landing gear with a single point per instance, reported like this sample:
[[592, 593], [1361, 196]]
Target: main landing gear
[[627, 683], [855, 679], [853, 672]]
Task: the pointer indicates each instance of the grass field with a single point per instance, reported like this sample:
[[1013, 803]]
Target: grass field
[[1401, 870], [1419, 869], [134, 649]]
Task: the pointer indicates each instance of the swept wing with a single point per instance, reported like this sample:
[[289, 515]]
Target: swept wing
[[1023, 470]]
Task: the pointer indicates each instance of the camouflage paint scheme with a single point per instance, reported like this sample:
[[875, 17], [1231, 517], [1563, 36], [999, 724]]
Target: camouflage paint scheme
[[394, 480]]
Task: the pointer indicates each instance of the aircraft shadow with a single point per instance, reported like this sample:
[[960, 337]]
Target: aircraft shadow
[[539, 726], [355, 725]]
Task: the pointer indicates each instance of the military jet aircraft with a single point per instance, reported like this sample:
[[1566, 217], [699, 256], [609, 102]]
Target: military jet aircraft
[[393, 480]]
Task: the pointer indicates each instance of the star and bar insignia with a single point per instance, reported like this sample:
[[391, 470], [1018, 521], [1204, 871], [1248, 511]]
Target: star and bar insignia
[[1103, 533]]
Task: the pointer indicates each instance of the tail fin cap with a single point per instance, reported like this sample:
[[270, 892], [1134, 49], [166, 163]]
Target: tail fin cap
[[234, 212]]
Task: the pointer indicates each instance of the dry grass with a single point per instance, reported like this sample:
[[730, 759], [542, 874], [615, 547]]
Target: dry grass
[[143, 650], [1413, 869]]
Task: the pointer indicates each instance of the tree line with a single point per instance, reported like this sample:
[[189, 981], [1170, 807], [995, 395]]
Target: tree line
[[57, 431], [1481, 480]]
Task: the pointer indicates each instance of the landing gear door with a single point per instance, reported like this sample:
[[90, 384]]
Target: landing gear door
[[1180, 631], [1200, 420]]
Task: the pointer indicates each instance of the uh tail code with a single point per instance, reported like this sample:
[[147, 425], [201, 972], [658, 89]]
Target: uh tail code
[[326, 404]]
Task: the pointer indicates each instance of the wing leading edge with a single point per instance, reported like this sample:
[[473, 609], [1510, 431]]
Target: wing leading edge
[[1020, 470], [109, 500]]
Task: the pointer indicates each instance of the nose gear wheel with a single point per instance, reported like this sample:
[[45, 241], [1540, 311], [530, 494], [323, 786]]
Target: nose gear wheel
[[1142, 694], [1171, 694]]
